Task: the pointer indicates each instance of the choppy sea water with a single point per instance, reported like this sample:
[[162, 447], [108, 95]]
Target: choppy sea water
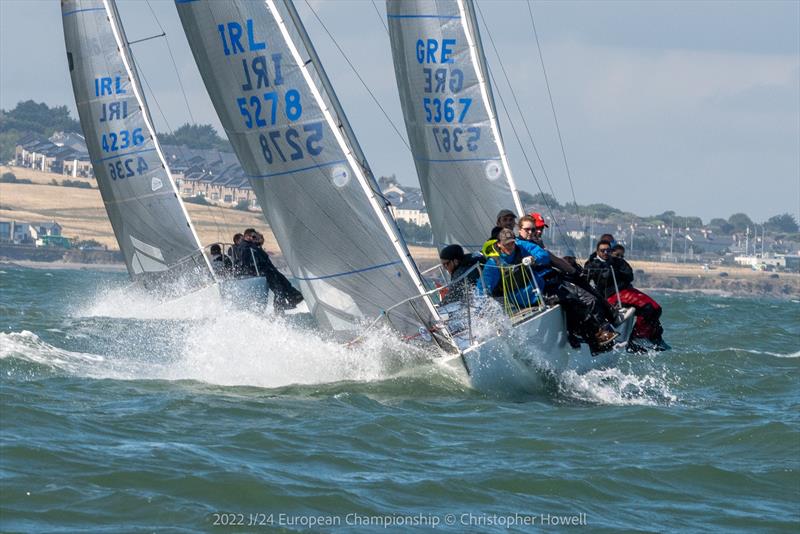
[[117, 416]]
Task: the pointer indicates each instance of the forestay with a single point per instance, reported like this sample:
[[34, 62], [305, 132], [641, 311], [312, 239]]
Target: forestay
[[308, 172], [450, 118], [149, 220]]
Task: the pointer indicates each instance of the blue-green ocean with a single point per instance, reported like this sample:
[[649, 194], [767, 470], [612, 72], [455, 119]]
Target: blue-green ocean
[[120, 416]]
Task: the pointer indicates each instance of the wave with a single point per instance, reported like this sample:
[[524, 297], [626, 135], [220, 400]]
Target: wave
[[795, 354], [616, 387], [133, 303]]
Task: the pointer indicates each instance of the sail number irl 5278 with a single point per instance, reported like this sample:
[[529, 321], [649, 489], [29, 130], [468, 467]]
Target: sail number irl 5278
[[265, 103]]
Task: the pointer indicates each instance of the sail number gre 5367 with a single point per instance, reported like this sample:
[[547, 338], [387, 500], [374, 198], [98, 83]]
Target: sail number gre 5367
[[446, 107]]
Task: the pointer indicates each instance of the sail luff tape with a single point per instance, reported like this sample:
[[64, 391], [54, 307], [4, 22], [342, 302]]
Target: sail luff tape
[[362, 180], [473, 54], [151, 129]]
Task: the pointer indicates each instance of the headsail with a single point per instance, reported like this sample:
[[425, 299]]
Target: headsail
[[450, 118], [309, 174], [149, 220]]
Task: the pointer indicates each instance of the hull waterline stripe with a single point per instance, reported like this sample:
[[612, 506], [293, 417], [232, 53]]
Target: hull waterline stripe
[[356, 271]]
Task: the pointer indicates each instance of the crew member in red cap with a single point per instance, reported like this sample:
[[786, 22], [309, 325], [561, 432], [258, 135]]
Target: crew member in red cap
[[538, 228]]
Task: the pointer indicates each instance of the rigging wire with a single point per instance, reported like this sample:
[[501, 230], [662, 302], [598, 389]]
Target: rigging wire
[[380, 17], [355, 71], [553, 107], [174, 64], [171, 131], [516, 101], [519, 140]]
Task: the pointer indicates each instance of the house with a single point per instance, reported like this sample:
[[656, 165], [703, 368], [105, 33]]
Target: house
[[406, 203], [30, 233]]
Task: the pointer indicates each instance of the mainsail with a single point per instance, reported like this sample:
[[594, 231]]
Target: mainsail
[[306, 168], [450, 118], [149, 220]]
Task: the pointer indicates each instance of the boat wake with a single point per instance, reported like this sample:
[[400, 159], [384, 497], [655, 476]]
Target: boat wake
[[616, 387], [228, 348], [125, 335]]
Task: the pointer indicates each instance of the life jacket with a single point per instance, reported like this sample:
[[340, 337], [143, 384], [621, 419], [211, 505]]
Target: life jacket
[[513, 276]]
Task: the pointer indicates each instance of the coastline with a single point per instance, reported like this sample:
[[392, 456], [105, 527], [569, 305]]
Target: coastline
[[82, 216], [650, 276], [64, 266]]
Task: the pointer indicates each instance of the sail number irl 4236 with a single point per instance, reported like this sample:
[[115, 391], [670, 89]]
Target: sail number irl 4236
[[265, 103]]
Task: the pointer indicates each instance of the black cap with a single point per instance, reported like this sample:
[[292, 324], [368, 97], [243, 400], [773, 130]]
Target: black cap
[[452, 252]]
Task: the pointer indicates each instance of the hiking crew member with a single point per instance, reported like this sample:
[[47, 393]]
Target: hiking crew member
[[505, 219], [584, 318], [648, 311], [508, 271], [221, 263], [237, 238], [255, 262], [457, 263]]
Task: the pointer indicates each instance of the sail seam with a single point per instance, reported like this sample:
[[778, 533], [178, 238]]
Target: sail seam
[[328, 164], [355, 271], [115, 156], [446, 17], [82, 10]]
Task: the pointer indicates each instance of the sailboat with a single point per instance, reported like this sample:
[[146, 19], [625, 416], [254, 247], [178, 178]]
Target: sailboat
[[465, 177], [310, 176], [160, 246]]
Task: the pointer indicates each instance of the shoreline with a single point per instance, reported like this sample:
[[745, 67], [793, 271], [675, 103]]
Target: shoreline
[[656, 277], [64, 266]]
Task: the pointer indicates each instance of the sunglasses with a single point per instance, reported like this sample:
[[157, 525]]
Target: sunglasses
[[527, 229], [602, 251]]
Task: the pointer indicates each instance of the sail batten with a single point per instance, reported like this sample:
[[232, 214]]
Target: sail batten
[[450, 118], [295, 145], [153, 229]]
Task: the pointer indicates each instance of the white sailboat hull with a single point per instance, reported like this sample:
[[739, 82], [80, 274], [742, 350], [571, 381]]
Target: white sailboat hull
[[519, 360]]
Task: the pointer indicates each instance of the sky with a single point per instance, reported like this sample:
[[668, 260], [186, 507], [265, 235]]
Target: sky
[[689, 106]]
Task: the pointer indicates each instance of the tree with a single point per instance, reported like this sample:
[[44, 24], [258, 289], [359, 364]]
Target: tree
[[30, 116], [196, 136], [721, 225], [413, 233], [600, 211], [740, 222], [539, 199], [785, 223]]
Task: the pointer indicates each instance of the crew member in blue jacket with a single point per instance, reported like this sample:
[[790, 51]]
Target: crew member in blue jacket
[[518, 259]]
